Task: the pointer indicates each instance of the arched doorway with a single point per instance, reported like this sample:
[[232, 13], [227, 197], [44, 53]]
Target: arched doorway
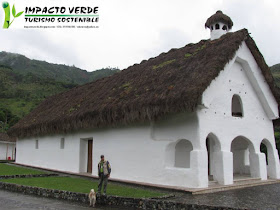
[[266, 148], [263, 149], [213, 148], [241, 148]]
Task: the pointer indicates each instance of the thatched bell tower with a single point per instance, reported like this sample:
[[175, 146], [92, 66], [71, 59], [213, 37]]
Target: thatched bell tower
[[219, 24]]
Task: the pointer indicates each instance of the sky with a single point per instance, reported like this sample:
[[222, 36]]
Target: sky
[[134, 30]]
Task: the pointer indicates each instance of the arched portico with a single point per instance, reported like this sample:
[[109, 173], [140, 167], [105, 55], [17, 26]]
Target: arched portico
[[272, 160], [241, 161], [218, 161], [213, 147], [246, 161]]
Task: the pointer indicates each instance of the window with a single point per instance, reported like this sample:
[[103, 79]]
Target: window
[[62, 141], [212, 28], [183, 154], [224, 27], [37, 144], [236, 106], [217, 26]]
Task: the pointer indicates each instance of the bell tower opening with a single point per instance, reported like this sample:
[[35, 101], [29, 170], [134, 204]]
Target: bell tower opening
[[219, 24]]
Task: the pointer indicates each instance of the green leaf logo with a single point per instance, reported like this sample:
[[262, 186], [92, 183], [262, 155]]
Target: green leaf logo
[[14, 11], [19, 14], [6, 8]]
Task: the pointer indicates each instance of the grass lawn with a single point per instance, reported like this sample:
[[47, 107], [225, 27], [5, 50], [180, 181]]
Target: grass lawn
[[16, 170], [83, 186]]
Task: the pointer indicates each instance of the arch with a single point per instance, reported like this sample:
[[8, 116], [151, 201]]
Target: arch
[[267, 148], [263, 149], [183, 150], [241, 147], [213, 146], [224, 28], [217, 26], [241, 142], [216, 142], [236, 106]]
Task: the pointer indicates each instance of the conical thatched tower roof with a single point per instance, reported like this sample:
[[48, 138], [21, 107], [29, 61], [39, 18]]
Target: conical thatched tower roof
[[169, 83], [219, 17]]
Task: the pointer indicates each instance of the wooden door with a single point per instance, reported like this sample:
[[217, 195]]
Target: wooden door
[[89, 166]]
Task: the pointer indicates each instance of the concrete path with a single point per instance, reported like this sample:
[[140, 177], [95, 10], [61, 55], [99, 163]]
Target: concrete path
[[18, 201], [259, 197]]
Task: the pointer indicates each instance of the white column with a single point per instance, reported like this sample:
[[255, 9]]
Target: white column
[[200, 167], [223, 167], [273, 165], [258, 165]]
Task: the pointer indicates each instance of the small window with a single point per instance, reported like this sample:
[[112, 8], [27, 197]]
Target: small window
[[224, 27], [217, 26], [62, 141], [37, 144], [236, 106], [183, 154], [212, 28]]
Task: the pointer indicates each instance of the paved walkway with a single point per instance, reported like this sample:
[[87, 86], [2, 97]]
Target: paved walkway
[[18, 201], [259, 197]]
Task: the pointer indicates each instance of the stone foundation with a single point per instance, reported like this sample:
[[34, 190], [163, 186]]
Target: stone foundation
[[140, 203]]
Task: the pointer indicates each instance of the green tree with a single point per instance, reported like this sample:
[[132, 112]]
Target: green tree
[[7, 119]]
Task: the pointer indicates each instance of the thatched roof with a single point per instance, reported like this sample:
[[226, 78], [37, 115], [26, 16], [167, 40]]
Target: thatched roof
[[169, 83], [5, 137], [219, 17]]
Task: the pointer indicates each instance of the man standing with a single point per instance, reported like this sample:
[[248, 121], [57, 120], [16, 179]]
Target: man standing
[[104, 170]]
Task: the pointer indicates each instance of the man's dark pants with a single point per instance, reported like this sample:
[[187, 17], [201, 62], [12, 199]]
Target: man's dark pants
[[102, 178]]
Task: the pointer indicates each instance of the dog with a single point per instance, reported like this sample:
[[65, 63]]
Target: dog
[[92, 198]]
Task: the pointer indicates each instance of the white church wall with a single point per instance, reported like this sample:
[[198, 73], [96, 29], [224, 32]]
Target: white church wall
[[136, 153], [3, 149], [174, 129], [83, 154], [259, 107], [7, 150], [49, 154], [147, 153]]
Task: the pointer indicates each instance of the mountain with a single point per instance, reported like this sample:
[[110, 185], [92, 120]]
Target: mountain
[[24, 83], [275, 70], [21, 93], [59, 72]]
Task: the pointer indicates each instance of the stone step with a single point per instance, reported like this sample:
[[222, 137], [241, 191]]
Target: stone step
[[246, 180], [238, 185], [212, 183], [241, 180]]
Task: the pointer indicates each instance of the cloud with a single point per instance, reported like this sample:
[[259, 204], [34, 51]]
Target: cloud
[[131, 31], [166, 39], [261, 18], [37, 45]]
